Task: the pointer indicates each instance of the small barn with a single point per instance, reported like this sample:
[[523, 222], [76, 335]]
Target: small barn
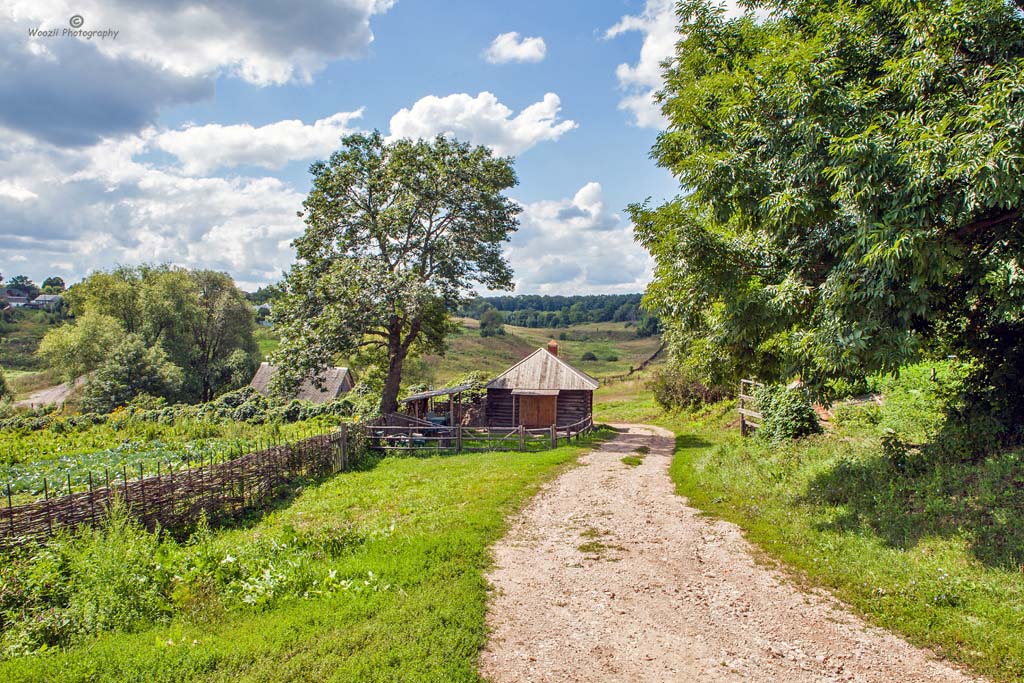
[[539, 391], [337, 383]]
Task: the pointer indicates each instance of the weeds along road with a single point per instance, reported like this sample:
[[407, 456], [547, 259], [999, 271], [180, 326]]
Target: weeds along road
[[608, 575]]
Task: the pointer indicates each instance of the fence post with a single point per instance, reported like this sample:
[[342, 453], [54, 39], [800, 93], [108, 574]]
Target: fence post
[[69, 482], [142, 488], [344, 447], [522, 437], [92, 508], [46, 504], [124, 479], [554, 436], [458, 439], [10, 508]]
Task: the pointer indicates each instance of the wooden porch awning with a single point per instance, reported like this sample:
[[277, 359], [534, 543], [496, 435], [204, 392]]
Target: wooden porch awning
[[535, 392]]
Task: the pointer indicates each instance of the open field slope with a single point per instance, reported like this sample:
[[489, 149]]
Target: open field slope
[[469, 351], [372, 575]]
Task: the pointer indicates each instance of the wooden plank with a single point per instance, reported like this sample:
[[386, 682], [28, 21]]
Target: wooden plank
[[751, 413]]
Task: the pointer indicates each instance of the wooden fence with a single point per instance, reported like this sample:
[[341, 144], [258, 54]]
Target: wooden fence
[[178, 498], [749, 419], [419, 436]]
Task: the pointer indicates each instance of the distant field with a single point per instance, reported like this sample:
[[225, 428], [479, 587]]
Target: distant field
[[469, 351], [20, 339]]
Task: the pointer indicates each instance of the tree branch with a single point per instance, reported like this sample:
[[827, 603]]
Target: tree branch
[[971, 229]]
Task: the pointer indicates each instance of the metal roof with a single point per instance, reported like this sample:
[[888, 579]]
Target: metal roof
[[437, 392], [543, 370]]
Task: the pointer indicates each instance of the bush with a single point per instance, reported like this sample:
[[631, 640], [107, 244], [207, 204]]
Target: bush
[[786, 413], [674, 390], [611, 357], [589, 355], [5, 390]]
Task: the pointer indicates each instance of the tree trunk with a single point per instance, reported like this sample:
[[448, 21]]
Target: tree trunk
[[393, 381]]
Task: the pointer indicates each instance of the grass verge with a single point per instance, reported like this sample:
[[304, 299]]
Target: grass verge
[[931, 552], [401, 595]]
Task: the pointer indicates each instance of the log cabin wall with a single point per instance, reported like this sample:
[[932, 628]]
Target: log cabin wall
[[499, 408], [573, 406]]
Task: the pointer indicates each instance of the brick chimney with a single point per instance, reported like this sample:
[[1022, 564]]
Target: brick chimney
[[553, 348]]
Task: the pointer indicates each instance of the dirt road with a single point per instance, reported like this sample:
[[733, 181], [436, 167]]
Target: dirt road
[[609, 576], [51, 395]]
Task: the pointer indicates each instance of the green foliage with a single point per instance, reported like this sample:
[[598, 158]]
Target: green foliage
[[54, 285], [375, 574], [491, 323], [21, 331], [588, 355], [676, 389], [852, 191], [78, 348], [786, 413], [385, 271], [5, 390], [922, 545], [129, 370], [23, 283], [198, 318]]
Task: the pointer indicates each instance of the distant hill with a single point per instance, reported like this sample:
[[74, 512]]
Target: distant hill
[[468, 351]]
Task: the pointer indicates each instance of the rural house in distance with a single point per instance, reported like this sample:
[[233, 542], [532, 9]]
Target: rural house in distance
[[539, 391], [337, 383]]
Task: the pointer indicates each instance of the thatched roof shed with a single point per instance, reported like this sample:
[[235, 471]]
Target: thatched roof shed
[[337, 383]]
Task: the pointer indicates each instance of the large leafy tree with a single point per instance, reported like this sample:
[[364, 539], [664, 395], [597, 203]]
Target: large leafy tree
[[396, 234], [853, 177], [200, 319]]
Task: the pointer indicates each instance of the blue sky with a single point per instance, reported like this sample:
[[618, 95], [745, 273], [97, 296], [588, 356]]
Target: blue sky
[[187, 137]]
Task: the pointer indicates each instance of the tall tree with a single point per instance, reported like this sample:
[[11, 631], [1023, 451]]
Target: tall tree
[[854, 178], [396, 234], [54, 285], [25, 284]]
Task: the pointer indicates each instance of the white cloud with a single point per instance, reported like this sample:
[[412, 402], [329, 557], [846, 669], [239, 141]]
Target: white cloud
[[202, 149], [261, 42], [642, 81], [104, 207], [509, 47], [15, 192], [576, 246], [483, 120]]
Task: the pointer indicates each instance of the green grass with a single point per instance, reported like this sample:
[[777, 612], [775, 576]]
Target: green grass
[[409, 597], [632, 460], [928, 549], [267, 340], [20, 338]]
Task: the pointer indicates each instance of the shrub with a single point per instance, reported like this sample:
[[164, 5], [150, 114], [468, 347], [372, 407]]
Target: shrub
[[674, 390], [589, 355], [611, 357], [5, 390], [786, 413]]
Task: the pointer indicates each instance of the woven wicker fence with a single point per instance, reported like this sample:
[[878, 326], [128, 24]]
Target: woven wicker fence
[[179, 497]]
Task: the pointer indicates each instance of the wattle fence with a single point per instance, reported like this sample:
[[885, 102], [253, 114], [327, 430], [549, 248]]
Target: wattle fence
[[178, 498]]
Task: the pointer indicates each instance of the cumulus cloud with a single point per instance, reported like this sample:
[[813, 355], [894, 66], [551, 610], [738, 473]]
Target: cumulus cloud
[[263, 42], [104, 207], [641, 81], [202, 149], [69, 93], [509, 47], [576, 245], [483, 120], [72, 91]]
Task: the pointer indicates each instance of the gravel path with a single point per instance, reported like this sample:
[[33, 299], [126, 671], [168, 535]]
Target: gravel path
[[609, 576]]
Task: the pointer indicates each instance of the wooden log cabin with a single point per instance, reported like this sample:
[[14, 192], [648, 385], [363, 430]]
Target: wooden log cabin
[[539, 391]]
